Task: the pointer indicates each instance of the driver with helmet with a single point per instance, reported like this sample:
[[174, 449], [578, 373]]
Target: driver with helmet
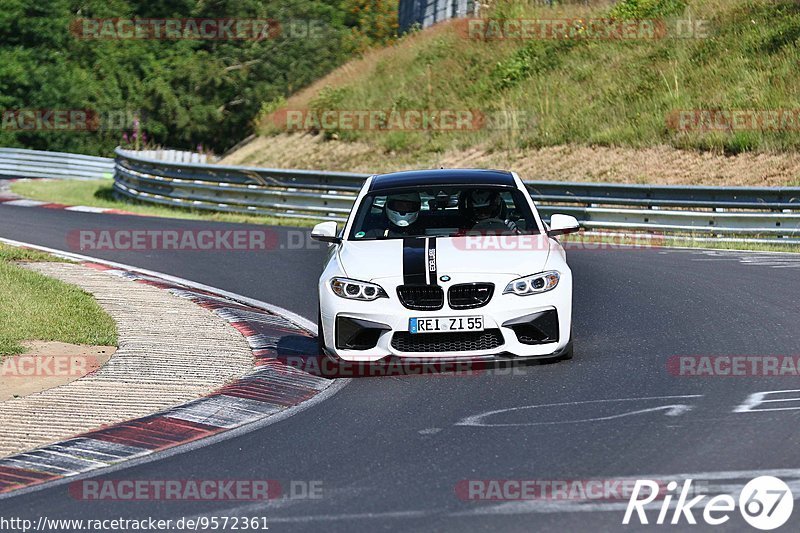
[[486, 210], [401, 212]]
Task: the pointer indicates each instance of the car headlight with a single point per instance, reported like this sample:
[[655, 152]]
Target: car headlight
[[353, 289], [535, 284]]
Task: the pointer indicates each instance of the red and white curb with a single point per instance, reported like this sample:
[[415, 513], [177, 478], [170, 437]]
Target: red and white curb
[[9, 198], [270, 389], [24, 202]]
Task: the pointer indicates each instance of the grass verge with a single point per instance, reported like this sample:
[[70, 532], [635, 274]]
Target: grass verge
[[35, 307], [649, 241], [733, 246], [99, 193]]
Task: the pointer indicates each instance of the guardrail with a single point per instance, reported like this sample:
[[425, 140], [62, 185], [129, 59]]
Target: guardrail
[[764, 213], [286, 193], [176, 156], [19, 163]]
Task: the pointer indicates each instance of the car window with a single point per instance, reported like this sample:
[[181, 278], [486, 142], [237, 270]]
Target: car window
[[442, 212]]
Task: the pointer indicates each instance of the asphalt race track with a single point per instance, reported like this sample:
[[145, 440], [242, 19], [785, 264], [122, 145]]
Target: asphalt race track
[[389, 452]]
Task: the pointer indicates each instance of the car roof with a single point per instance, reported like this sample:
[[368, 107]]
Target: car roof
[[455, 176]]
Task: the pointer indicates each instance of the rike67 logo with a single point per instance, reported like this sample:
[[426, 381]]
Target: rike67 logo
[[765, 503]]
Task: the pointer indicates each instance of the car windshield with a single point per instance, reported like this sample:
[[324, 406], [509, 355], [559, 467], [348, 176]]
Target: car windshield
[[443, 212]]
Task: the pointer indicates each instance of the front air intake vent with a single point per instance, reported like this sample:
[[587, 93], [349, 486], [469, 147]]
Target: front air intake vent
[[421, 297], [465, 341], [470, 295]]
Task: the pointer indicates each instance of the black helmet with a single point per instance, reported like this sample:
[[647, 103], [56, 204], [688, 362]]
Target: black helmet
[[483, 204]]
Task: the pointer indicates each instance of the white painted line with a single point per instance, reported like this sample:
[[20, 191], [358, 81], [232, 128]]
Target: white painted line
[[25, 203], [53, 458], [223, 411], [86, 209], [670, 410], [289, 375], [262, 341], [239, 315], [99, 450], [758, 398], [35, 466]]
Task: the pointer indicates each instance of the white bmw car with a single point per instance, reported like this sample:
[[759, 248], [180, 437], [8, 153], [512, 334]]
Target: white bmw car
[[445, 264]]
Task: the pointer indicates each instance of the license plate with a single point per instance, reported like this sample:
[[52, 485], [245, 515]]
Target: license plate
[[445, 323]]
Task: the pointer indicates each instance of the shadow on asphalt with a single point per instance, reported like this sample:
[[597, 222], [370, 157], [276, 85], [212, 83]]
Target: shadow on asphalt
[[300, 352]]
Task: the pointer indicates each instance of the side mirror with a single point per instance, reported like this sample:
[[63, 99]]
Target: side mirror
[[563, 224], [326, 232]]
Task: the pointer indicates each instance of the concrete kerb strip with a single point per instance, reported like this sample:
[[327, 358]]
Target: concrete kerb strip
[[170, 351], [271, 392]]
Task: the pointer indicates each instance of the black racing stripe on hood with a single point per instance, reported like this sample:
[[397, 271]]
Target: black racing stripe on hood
[[431, 261], [414, 262]]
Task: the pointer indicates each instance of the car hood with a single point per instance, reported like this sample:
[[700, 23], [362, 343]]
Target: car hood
[[516, 255]]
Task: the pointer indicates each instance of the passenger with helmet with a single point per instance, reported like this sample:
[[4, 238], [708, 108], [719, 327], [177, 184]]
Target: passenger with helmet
[[486, 211], [401, 212]]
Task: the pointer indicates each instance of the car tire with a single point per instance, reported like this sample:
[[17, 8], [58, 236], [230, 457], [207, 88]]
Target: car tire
[[567, 354], [320, 334], [569, 350]]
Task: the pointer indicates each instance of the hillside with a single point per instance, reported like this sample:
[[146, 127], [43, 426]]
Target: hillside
[[598, 109]]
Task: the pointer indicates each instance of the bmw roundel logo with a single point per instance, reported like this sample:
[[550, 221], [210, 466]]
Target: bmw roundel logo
[[444, 278]]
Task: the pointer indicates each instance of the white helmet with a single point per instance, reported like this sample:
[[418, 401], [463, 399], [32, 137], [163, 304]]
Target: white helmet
[[403, 209]]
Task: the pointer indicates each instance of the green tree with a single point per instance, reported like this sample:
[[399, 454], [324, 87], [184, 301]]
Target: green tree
[[185, 92]]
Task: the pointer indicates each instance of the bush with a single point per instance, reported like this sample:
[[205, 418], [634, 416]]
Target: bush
[[643, 9]]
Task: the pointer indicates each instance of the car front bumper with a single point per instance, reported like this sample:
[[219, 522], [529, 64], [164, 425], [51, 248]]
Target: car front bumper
[[507, 316]]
